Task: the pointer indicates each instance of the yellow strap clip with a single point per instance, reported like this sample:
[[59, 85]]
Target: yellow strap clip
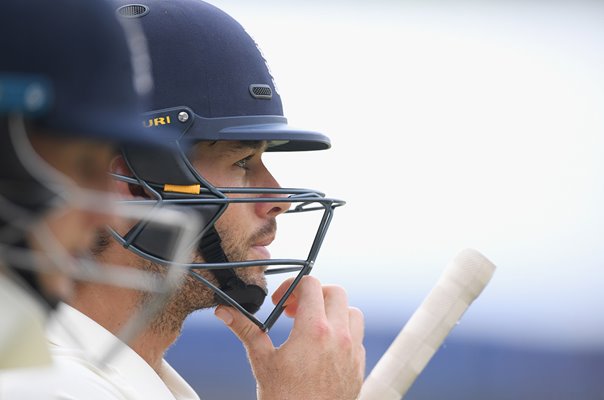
[[190, 189]]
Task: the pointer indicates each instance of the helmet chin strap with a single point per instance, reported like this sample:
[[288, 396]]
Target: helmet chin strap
[[249, 296]]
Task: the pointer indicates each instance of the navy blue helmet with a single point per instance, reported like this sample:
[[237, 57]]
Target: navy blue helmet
[[68, 69], [212, 83]]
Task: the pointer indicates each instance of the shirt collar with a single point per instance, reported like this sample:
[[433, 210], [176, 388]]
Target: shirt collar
[[72, 331]]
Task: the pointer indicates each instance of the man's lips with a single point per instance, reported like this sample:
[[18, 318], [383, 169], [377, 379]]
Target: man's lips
[[262, 252], [260, 247]]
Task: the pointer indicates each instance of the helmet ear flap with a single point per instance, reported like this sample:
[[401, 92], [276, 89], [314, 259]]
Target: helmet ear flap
[[168, 174], [159, 242], [159, 166], [156, 240]]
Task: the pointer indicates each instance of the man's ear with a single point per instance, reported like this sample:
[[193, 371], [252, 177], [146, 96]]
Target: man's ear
[[125, 190]]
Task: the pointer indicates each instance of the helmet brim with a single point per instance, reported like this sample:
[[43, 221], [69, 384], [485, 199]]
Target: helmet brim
[[280, 136], [273, 129]]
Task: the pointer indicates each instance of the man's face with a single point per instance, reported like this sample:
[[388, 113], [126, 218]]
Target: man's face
[[246, 229], [71, 227], [85, 165]]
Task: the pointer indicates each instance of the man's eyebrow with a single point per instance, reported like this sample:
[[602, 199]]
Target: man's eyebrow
[[238, 146]]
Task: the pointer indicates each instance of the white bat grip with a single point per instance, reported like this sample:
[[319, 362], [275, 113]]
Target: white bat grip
[[459, 285]]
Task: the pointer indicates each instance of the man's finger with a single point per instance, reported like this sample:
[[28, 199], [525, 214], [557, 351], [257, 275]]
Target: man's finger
[[256, 342], [291, 304], [310, 313], [278, 294], [336, 307], [357, 324]]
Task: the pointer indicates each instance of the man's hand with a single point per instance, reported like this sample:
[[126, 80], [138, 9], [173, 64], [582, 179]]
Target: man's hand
[[323, 358]]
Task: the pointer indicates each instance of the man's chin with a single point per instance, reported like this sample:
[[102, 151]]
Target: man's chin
[[253, 276], [249, 275], [259, 253]]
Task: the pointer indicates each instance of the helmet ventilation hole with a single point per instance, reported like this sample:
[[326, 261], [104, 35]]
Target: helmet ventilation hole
[[259, 91], [133, 10]]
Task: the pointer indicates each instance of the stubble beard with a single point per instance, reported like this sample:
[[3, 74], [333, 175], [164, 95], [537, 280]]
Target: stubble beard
[[193, 295]]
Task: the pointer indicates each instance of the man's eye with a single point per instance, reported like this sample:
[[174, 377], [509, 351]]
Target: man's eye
[[243, 163]]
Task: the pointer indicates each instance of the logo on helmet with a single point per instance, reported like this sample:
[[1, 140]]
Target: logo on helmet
[[157, 121]]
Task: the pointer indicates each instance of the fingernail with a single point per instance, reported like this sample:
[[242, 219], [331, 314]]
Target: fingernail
[[224, 315]]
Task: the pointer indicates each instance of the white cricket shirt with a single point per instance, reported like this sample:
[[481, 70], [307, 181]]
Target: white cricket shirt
[[75, 341], [22, 318]]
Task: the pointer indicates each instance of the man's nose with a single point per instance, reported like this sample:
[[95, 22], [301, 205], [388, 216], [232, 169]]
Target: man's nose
[[272, 208]]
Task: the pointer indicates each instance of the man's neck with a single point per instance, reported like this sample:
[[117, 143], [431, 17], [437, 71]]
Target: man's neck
[[112, 308], [152, 345]]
